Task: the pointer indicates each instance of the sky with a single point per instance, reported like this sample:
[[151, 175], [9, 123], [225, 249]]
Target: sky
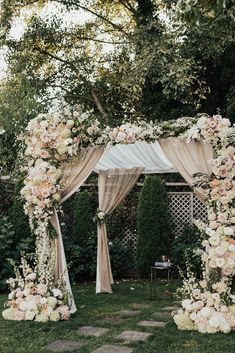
[[18, 25]]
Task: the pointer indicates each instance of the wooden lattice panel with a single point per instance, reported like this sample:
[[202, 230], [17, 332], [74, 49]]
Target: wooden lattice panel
[[184, 207], [199, 209], [181, 210], [130, 240]]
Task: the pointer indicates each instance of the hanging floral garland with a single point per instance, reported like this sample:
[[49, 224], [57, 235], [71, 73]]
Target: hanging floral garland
[[209, 305], [52, 140]]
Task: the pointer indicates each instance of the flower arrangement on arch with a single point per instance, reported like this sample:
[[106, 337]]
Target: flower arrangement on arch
[[101, 217], [209, 305], [52, 139], [32, 300]]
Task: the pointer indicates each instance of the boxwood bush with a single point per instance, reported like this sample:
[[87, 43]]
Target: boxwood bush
[[153, 224]]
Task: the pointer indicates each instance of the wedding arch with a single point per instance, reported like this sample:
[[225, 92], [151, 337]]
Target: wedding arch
[[62, 151]]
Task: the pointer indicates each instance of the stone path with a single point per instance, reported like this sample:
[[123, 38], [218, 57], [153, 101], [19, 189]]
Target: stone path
[[141, 306], [93, 331], [113, 349], [113, 320], [130, 336], [170, 308], [63, 345], [148, 323], [129, 313], [162, 314], [127, 336]]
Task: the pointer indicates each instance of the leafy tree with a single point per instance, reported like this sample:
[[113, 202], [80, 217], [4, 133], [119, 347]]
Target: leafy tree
[[157, 59], [153, 224]]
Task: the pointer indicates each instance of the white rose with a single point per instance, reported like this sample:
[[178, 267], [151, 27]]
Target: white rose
[[11, 295], [205, 312], [29, 315], [31, 305], [41, 318], [23, 306], [76, 114], [43, 301], [232, 309], [62, 149], [55, 316], [202, 122], [70, 123], [9, 314], [57, 292], [31, 276], [214, 240], [228, 231], [101, 215], [219, 262], [26, 292], [187, 304], [52, 301]]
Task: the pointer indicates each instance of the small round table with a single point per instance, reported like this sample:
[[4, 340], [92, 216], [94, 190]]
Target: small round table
[[153, 277]]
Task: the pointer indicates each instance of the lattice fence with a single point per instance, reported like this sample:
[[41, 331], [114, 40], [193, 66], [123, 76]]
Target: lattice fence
[[183, 206]]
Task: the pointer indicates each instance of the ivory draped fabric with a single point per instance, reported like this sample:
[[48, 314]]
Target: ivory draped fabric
[[113, 185], [74, 175], [139, 154], [188, 158]]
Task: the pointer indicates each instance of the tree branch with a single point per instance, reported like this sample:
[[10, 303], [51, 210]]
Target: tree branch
[[72, 94], [98, 104], [100, 40], [128, 6], [93, 93], [96, 15]]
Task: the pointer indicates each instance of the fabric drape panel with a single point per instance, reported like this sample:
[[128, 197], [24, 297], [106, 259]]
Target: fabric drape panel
[[61, 266], [188, 158], [114, 185], [74, 175]]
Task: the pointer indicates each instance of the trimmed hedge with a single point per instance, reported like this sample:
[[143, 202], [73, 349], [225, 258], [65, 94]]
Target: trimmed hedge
[[153, 224], [84, 209]]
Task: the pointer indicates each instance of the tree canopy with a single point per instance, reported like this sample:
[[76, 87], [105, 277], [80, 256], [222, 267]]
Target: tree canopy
[[121, 58]]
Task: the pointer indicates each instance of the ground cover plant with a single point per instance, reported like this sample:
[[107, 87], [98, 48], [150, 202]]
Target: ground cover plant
[[28, 337]]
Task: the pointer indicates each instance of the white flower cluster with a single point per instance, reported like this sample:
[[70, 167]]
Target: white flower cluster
[[207, 309], [215, 130], [31, 300]]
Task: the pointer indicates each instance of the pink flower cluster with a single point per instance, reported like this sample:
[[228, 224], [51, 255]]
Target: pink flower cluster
[[30, 300], [206, 308]]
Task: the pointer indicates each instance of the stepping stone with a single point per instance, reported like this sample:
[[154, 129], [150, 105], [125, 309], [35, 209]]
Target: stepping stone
[[149, 323], [130, 336], [162, 314], [113, 349], [170, 308], [63, 345], [111, 321], [93, 331], [129, 313], [141, 306]]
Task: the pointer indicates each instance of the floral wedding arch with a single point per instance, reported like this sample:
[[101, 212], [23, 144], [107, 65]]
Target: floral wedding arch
[[61, 153]]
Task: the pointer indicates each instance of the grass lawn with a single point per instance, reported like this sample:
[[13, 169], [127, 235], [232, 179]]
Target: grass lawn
[[31, 337]]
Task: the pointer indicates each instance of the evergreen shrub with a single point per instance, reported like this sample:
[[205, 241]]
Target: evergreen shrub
[[186, 250], [153, 224], [84, 209]]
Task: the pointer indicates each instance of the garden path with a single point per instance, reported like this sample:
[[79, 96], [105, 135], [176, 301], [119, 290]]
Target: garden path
[[127, 336]]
